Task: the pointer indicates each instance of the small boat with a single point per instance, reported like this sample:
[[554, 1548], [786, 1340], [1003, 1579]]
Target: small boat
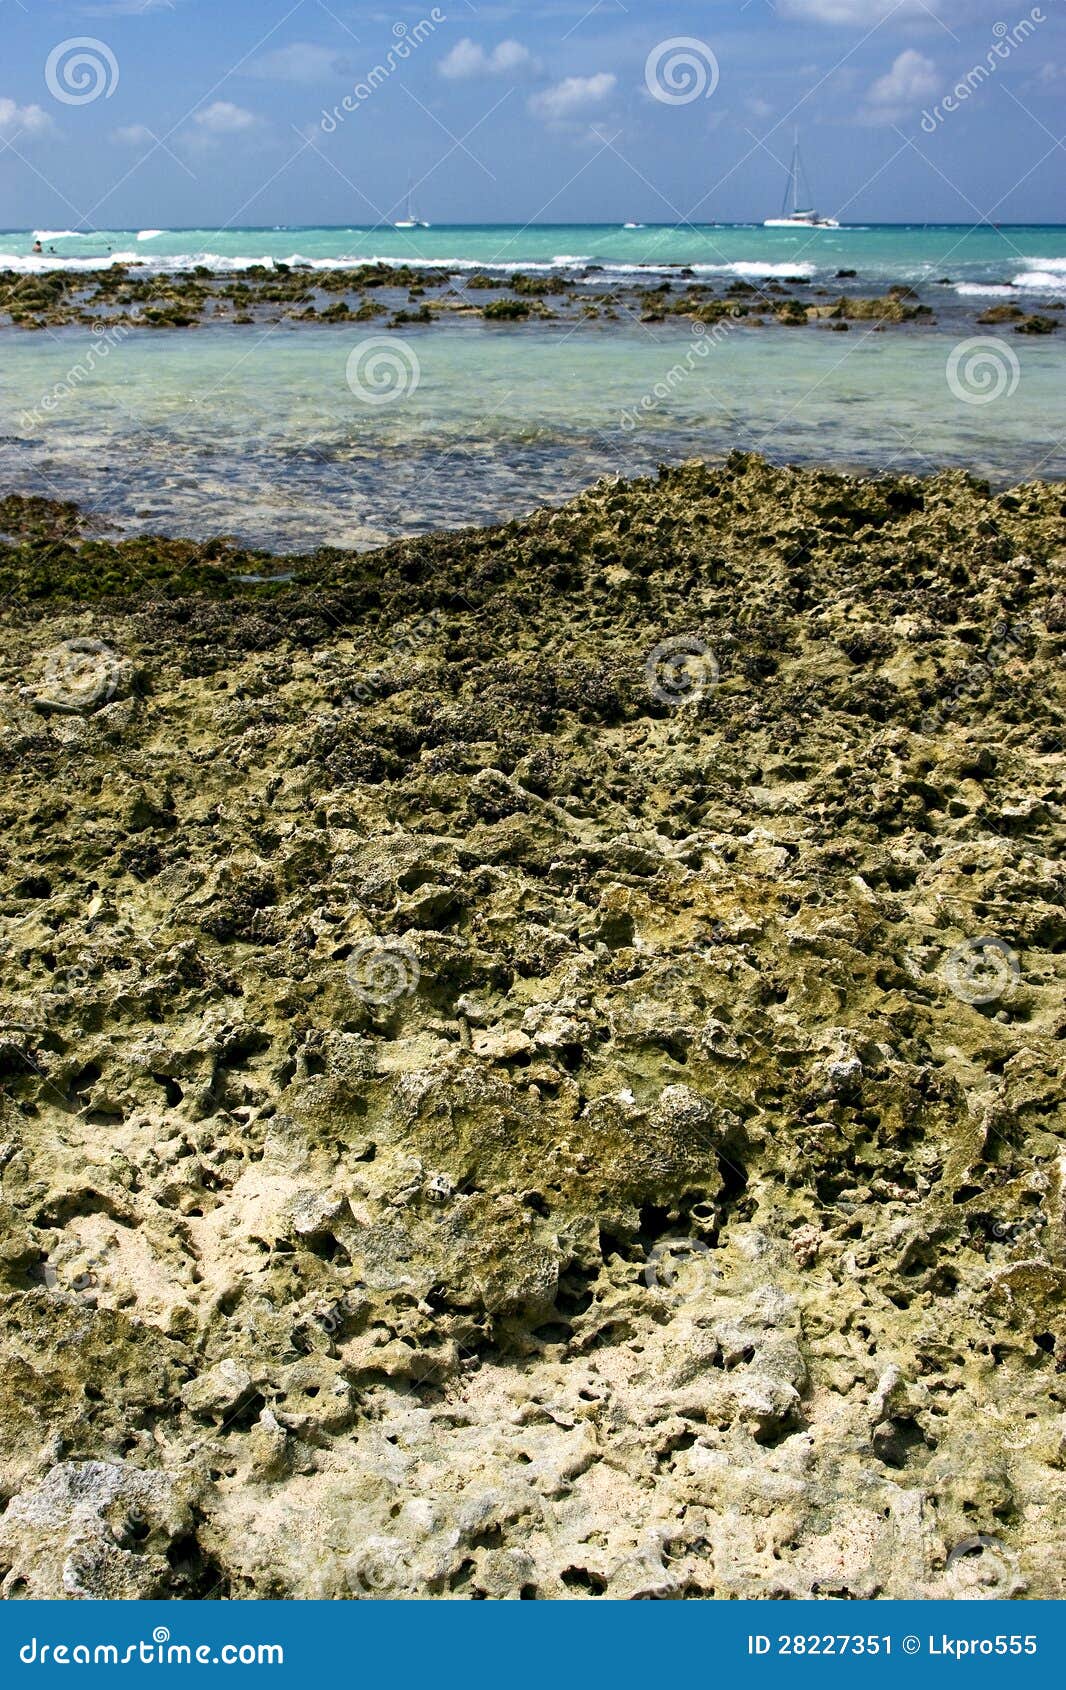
[[410, 221], [632, 225], [793, 215]]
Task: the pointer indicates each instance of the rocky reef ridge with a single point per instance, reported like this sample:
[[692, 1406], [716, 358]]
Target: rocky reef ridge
[[529, 1059]]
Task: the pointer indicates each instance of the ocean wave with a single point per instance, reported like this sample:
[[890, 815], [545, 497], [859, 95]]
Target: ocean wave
[[344, 261], [222, 263], [743, 269], [151, 234], [350, 260], [984, 290], [64, 234], [1049, 279], [414, 263], [1035, 276], [38, 264], [1048, 275], [748, 269], [639, 272]]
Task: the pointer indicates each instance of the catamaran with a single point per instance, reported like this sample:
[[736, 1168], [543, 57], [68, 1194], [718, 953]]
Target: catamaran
[[798, 217], [410, 221]]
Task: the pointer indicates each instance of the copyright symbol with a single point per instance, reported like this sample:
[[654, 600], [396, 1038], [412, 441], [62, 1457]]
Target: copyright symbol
[[911, 1645]]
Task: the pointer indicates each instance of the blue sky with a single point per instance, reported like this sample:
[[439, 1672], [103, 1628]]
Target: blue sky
[[212, 111]]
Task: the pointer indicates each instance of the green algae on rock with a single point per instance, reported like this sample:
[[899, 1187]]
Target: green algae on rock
[[119, 298], [529, 1057]]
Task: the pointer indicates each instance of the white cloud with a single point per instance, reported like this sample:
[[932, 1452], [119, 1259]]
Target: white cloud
[[29, 120], [863, 14], [133, 135], [141, 5], [224, 118], [572, 96], [895, 95], [467, 58], [1048, 78], [127, 8], [301, 61]]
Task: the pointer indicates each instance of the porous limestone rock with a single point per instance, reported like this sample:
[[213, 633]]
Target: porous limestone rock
[[517, 1087]]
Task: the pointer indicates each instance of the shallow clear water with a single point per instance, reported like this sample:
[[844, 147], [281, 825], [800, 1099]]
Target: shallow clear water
[[257, 433]]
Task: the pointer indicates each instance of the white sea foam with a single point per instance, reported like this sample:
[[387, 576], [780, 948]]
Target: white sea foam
[[1048, 275], [150, 234], [1042, 281], [1036, 275], [504, 265], [634, 269], [749, 271], [984, 290], [63, 234], [38, 264], [742, 270]]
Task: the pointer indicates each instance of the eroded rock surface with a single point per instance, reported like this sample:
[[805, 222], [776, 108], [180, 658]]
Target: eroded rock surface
[[530, 1058]]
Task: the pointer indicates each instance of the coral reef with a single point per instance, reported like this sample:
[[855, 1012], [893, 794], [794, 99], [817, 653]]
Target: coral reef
[[123, 296], [529, 1057]]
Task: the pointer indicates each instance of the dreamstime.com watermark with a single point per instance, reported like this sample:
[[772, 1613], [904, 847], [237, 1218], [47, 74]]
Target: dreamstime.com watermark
[[676, 375], [380, 1566], [408, 38], [983, 369], [681, 1268], [81, 674], [981, 971], [80, 70], [1007, 639], [681, 70], [380, 371], [382, 971], [983, 1569], [1006, 40], [79, 975], [160, 1651], [680, 670], [103, 345], [376, 682], [1012, 1233]]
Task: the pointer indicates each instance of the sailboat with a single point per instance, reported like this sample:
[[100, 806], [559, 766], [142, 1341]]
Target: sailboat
[[793, 215], [410, 221]]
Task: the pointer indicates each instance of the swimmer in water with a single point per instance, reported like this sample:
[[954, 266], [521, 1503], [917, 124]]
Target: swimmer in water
[[37, 247]]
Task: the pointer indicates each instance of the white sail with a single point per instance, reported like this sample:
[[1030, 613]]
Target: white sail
[[410, 221], [793, 215]]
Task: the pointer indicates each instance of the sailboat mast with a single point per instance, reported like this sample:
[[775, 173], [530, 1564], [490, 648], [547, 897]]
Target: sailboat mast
[[797, 209], [790, 203]]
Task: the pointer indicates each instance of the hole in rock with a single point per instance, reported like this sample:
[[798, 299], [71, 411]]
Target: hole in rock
[[580, 1578]]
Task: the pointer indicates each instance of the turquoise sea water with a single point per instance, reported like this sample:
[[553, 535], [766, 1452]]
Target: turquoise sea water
[[1033, 258], [257, 431]]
